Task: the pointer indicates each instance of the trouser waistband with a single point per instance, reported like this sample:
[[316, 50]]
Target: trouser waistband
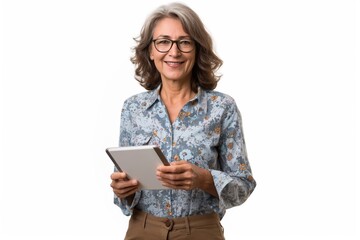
[[176, 223]]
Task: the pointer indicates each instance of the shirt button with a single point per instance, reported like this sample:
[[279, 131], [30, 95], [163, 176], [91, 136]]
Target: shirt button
[[167, 223]]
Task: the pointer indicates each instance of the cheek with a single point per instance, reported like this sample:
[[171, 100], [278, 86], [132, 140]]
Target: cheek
[[192, 63], [155, 56]]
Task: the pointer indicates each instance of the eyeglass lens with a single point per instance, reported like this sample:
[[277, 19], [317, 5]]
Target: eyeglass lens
[[164, 45]]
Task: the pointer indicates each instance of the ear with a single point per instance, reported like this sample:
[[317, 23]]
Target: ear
[[151, 55]]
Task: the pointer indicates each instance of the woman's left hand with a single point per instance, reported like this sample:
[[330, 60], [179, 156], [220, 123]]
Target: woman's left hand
[[186, 176], [180, 175]]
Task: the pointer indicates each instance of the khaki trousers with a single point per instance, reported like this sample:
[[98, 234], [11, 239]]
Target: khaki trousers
[[148, 227]]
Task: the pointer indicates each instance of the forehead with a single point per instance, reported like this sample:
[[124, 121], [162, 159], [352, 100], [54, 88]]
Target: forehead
[[170, 27]]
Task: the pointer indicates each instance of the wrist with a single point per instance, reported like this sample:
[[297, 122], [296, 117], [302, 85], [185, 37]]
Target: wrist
[[207, 181]]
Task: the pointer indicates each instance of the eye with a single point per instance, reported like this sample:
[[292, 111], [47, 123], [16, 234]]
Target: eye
[[186, 42], [163, 42]]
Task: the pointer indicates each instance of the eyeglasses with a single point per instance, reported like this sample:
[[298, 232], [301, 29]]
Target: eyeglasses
[[164, 45]]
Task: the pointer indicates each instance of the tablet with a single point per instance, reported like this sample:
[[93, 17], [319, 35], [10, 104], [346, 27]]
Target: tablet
[[140, 163]]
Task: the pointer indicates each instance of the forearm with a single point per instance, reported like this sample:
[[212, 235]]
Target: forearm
[[207, 182]]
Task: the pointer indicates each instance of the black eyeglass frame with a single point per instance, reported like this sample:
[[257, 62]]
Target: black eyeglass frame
[[172, 43]]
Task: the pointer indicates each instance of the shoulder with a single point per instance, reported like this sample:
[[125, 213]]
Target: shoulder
[[218, 97], [220, 103], [140, 100], [138, 97]]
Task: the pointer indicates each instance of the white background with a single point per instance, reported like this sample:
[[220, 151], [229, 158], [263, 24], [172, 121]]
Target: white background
[[292, 67]]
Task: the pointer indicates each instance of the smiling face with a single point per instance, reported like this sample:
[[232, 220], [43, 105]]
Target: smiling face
[[173, 65]]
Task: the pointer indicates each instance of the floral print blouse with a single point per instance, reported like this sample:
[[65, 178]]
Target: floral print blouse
[[208, 133]]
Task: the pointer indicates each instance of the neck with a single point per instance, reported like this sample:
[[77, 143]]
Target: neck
[[175, 95]]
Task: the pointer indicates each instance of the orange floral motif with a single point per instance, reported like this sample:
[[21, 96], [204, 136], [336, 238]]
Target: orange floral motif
[[229, 157], [155, 133], [217, 130], [242, 167], [213, 98], [168, 208], [230, 145], [250, 178], [176, 158], [182, 115]]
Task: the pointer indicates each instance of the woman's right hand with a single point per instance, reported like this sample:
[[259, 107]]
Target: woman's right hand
[[122, 186]]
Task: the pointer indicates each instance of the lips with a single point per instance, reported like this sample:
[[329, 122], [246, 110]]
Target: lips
[[173, 64]]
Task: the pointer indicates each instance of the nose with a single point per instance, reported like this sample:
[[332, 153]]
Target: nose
[[174, 50]]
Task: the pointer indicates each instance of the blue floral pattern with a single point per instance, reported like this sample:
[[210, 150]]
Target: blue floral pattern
[[208, 133]]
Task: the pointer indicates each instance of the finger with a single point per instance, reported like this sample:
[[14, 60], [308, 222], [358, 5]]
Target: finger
[[123, 184], [178, 185], [118, 176], [123, 193], [187, 183], [165, 169], [179, 162], [181, 176], [124, 188], [174, 168]]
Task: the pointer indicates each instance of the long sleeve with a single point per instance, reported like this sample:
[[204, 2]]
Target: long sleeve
[[124, 140], [234, 182]]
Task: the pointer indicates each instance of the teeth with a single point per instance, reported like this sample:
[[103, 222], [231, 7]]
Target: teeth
[[173, 63]]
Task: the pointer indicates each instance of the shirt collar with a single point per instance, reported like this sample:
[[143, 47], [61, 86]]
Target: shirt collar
[[200, 99], [151, 98], [201, 106]]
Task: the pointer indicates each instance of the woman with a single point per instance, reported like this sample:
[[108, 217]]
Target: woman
[[198, 129]]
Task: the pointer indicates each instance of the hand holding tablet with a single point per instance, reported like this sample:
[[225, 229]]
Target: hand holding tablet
[[140, 163]]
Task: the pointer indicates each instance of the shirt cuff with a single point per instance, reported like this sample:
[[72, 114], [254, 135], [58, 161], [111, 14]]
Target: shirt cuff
[[125, 207], [221, 179]]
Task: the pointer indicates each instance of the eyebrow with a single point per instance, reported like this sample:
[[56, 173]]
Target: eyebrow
[[167, 36]]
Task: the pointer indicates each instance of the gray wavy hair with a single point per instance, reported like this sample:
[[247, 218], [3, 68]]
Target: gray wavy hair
[[206, 62]]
